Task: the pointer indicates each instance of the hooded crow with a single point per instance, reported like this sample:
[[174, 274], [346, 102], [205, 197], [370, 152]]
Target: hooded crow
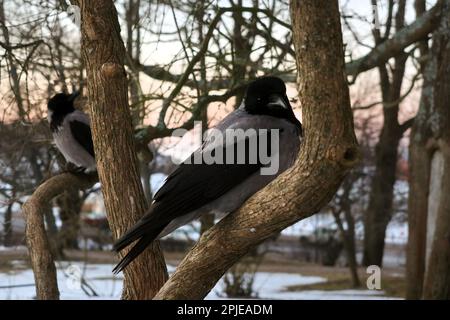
[[71, 131], [221, 187]]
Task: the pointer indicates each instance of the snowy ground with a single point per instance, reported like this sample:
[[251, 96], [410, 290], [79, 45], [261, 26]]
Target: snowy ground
[[99, 279]]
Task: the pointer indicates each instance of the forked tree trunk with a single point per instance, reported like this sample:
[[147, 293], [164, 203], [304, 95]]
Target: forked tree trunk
[[328, 151], [103, 52]]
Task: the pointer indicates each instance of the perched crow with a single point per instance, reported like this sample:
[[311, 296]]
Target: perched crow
[[71, 131], [197, 187]]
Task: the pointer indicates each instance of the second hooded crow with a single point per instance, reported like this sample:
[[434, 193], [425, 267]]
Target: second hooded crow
[[71, 131], [195, 188]]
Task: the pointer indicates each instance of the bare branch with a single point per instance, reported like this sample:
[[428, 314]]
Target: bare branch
[[212, 27], [37, 241], [416, 31]]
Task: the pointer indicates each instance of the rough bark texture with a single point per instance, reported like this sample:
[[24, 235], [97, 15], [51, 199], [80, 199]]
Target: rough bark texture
[[419, 178], [103, 52], [419, 165], [37, 241], [429, 209], [437, 274], [328, 152]]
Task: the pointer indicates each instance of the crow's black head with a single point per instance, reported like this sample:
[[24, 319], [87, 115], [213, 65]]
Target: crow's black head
[[62, 103], [267, 96]]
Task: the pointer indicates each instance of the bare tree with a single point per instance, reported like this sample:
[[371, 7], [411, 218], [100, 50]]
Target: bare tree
[[103, 52], [428, 264], [379, 211]]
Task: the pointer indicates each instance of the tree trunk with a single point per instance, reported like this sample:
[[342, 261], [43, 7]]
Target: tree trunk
[[348, 237], [7, 226], [352, 263], [379, 210], [419, 177], [42, 260], [343, 204], [328, 151], [437, 277], [103, 52], [437, 264]]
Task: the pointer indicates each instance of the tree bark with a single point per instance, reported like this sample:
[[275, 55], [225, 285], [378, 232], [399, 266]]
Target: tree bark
[[42, 260], [103, 52], [329, 150], [419, 178], [437, 271], [7, 226]]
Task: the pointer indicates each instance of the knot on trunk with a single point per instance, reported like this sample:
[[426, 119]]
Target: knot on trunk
[[112, 70], [346, 155]]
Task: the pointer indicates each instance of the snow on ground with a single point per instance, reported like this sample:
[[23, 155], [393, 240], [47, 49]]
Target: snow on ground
[[99, 279], [3, 248]]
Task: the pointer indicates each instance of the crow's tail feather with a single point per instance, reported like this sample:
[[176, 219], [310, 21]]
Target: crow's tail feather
[[137, 249], [133, 253], [134, 233], [146, 231]]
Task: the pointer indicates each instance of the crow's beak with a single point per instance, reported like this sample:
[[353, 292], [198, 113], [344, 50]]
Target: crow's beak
[[74, 95], [276, 100]]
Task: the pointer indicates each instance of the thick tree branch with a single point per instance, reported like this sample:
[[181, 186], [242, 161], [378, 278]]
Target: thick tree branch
[[37, 241], [328, 152], [103, 52], [392, 47]]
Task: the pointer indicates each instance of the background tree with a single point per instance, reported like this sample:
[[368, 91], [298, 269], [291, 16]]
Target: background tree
[[428, 269], [379, 210], [103, 53]]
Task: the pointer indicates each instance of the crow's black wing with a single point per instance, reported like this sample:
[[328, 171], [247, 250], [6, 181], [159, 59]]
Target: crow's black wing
[[188, 188], [82, 134]]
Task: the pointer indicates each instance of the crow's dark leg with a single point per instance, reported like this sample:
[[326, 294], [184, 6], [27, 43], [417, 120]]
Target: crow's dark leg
[[72, 168]]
